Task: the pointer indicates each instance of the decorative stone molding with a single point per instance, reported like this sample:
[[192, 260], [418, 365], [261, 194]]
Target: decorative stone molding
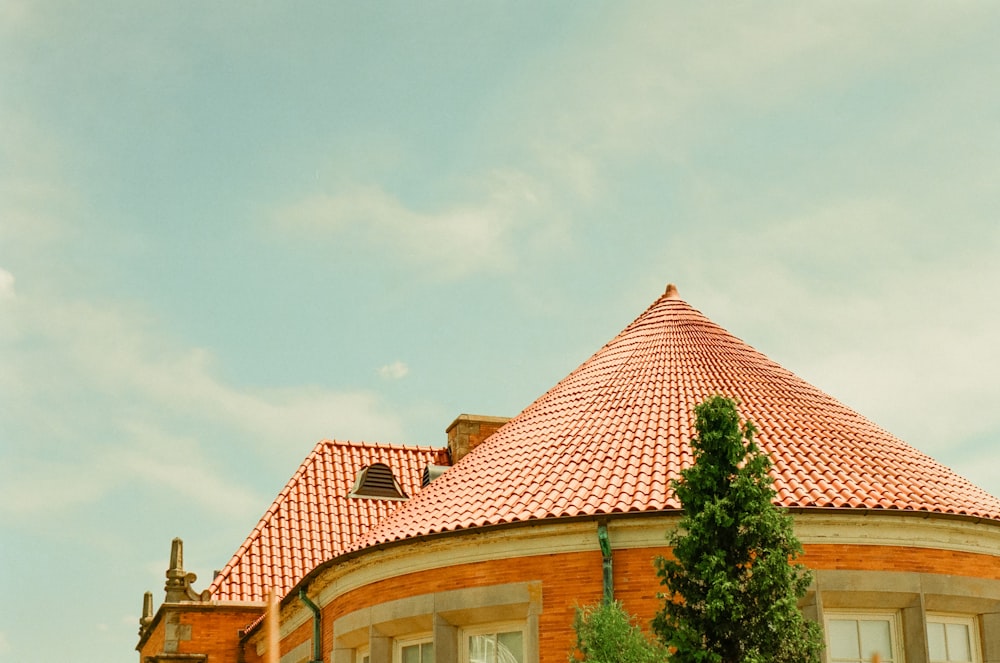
[[179, 585]]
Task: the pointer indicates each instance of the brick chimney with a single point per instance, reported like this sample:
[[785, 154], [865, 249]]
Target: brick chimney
[[468, 430]]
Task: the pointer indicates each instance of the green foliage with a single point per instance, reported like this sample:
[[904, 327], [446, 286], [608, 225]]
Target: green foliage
[[605, 633], [732, 588]]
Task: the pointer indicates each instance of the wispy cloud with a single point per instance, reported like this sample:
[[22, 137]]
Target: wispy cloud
[[452, 242], [397, 370], [98, 398], [6, 284]]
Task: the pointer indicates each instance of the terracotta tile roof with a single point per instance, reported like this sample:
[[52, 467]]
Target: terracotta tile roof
[[609, 437], [313, 519]]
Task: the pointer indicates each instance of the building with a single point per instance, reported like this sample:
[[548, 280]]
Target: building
[[481, 552]]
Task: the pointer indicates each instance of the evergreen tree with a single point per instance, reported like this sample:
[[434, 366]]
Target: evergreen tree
[[605, 633], [732, 588]]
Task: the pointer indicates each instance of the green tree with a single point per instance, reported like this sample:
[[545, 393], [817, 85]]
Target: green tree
[[732, 587], [605, 633]]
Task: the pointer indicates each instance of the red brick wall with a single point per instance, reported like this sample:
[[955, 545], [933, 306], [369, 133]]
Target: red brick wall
[[568, 579], [572, 579], [889, 558], [154, 643], [214, 631]]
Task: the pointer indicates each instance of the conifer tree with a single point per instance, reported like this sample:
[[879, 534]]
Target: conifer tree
[[732, 587]]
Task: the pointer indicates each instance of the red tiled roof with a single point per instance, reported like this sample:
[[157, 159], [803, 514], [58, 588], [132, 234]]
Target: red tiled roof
[[313, 519], [610, 436]]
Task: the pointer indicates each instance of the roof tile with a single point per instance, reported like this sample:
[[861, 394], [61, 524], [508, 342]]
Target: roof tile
[[618, 428], [312, 519]]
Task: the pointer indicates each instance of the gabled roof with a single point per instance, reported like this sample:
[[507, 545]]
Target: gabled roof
[[610, 436], [313, 519]]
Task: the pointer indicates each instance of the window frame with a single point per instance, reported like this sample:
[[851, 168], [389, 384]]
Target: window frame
[[410, 640], [495, 628], [975, 648], [896, 639]]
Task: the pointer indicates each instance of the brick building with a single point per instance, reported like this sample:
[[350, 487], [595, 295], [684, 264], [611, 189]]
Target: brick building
[[480, 551]]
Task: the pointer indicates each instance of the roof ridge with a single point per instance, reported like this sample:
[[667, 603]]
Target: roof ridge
[[378, 445]]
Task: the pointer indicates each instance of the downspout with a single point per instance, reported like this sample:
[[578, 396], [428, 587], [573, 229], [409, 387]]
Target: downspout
[[317, 631], [602, 538]]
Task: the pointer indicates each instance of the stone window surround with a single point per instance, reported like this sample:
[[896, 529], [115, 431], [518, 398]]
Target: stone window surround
[[914, 597], [443, 615]]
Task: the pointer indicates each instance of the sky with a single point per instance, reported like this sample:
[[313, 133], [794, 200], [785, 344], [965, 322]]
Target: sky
[[229, 230]]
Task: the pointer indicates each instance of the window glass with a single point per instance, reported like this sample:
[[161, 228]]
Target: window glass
[[843, 636], [959, 642], [417, 653], [410, 654], [859, 638], [511, 646], [503, 647], [936, 646], [875, 638]]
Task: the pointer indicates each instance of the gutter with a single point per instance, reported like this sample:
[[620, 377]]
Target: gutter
[[317, 630], [602, 538]]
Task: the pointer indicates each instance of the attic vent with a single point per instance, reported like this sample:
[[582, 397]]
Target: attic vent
[[377, 481], [432, 472]]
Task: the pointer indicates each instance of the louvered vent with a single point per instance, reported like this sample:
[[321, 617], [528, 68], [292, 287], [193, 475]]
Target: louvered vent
[[377, 481], [432, 472]]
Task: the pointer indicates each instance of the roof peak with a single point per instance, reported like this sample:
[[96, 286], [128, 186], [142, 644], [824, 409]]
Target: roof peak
[[671, 292]]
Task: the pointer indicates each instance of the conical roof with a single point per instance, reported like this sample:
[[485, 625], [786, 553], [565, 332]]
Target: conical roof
[[610, 436]]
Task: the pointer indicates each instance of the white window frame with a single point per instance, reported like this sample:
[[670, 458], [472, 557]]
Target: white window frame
[[967, 620], [491, 628], [360, 653], [895, 629], [409, 641]]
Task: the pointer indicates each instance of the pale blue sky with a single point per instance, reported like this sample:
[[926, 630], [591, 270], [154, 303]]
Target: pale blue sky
[[229, 230]]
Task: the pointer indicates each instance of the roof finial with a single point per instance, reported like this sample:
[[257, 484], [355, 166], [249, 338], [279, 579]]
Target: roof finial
[[671, 292], [179, 582]]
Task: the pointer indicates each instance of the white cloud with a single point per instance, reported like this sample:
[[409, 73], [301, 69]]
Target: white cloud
[[6, 284], [177, 466], [99, 399], [453, 242], [397, 370], [874, 301]]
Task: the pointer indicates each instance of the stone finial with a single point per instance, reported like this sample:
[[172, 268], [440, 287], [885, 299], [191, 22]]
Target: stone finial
[[179, 583], [671, 292], [147, 613]]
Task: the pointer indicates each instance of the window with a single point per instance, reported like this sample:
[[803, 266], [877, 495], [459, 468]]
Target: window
[[952, 639], [362, 655], [415, 651], [858, 637], [504, 644]]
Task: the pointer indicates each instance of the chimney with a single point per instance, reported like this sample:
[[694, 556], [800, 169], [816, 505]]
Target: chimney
[[468, 430]]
